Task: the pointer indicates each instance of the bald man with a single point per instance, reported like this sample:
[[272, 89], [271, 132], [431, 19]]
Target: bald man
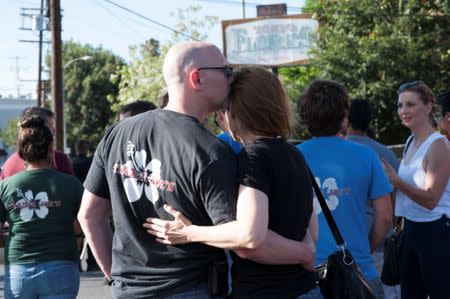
[[163, 157]]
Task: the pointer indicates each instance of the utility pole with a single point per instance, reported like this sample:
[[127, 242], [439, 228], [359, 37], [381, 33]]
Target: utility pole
[[17, 69], [39, 22], [56, 72], [40, 100], [243, 8]]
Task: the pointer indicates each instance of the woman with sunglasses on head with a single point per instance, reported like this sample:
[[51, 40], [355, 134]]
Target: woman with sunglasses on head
[[40, 205], [423, 197], [275, 228]]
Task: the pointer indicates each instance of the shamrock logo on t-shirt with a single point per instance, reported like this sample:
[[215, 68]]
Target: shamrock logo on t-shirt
[[140, 175], [28, 204]]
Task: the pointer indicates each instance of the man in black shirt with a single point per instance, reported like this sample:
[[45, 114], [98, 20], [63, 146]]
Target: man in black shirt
[[163, 157], [81, 162]]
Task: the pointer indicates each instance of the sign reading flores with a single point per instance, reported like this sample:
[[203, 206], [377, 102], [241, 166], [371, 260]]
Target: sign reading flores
[[269, 41]]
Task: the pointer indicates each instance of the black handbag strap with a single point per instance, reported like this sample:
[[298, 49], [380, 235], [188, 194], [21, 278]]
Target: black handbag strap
[[326, 212]]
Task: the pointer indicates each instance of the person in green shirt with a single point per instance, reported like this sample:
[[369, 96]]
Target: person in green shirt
[[40, 205]]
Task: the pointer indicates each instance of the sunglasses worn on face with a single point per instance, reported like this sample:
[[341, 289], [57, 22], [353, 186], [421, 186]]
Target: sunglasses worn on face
[[226, 70], [408, 85]]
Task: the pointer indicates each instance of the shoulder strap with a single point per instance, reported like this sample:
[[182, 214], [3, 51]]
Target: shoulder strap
[[408, 143], [326, 212]]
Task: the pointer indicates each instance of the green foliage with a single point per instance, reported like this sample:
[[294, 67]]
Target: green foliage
[[295, 80], [373, 47], [9, 134], [89, 91], [142, 78], [189, 22]]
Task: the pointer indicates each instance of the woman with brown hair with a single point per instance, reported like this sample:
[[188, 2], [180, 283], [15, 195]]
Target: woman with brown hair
[[423, 197], [40, 205], [275, 229]]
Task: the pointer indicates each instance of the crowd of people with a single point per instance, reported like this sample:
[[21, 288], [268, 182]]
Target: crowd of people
[[169, 210]]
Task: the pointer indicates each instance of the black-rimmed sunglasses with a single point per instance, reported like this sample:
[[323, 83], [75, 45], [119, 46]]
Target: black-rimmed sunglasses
[[408, 85], [226, 70]]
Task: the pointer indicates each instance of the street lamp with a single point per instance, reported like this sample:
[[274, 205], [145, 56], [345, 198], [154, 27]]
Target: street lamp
[[84, 58]]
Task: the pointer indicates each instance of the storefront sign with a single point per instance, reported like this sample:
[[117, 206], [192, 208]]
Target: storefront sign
[[276, 41]]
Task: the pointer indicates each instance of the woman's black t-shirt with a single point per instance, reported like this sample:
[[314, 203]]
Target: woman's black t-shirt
[[278, 169]]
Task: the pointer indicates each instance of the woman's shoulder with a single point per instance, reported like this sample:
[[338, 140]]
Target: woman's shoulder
[[438, 150], [440, 145]]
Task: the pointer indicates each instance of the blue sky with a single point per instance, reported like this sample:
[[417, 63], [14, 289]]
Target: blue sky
[[99, 23]]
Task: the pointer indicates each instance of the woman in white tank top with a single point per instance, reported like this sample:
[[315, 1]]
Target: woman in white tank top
[[423, 197]]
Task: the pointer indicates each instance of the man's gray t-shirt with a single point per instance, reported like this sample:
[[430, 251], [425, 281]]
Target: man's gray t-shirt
[[382, 151]]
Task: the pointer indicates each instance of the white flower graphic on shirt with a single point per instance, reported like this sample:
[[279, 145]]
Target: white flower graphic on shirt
[[29, 204], [329, 188], [140, 175]]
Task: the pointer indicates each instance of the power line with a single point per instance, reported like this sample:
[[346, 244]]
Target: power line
[[118, 18], [150, 20], [127, 19]]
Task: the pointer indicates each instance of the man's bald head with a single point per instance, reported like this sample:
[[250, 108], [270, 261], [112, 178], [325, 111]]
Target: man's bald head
[[183, 57], [196, 80]]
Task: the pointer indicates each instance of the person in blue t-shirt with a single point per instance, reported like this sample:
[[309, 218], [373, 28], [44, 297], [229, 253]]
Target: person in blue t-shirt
[[219, 119], [359, 118], [349, 174]]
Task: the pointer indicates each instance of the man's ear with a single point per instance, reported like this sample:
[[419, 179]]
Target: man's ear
[[194, 79], [345, 124]]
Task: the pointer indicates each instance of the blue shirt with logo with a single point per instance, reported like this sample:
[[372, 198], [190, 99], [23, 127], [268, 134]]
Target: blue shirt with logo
[[349, 175]]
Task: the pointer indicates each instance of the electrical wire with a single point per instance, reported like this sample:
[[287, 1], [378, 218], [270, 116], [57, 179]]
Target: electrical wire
[[133, 20], [150, 20], [119, 19]]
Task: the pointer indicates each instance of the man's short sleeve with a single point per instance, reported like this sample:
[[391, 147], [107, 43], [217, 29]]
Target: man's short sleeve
[[96, 181], [380, 184], [218, 189]]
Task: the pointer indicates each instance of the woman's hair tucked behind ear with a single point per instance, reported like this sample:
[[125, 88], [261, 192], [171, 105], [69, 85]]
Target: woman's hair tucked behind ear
[[34, 139]]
